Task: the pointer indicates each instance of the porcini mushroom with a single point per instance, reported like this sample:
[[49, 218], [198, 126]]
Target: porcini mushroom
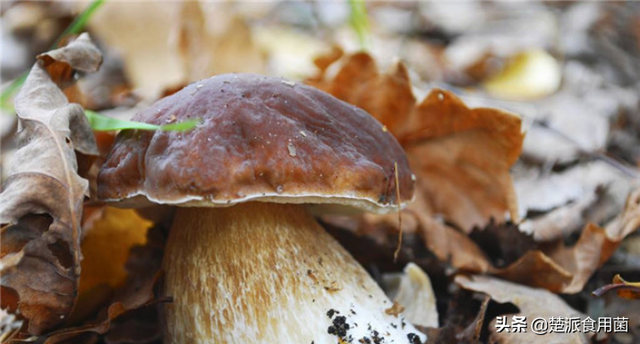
[[245, 261]]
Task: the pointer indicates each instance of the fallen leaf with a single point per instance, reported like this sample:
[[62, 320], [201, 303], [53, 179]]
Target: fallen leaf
[[461, 156], [541, 192], [555, 266], [532, 303], [415, 294], [41, 203], [137, 294], [562, 222], [106, 245], [625, 289], [629, 220], [463, 322]]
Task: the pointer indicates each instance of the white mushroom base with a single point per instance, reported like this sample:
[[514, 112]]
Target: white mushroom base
[[268, 273]]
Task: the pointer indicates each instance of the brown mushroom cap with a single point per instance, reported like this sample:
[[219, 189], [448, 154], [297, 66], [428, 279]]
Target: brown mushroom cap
[[263, 139]]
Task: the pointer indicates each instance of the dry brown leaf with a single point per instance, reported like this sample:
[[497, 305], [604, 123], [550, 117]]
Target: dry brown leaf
[[596, 245], [558, 268], [461, 156], [106, 245], [41, 203], [625, 289], [137, 295], [533, 303], [386, 96]]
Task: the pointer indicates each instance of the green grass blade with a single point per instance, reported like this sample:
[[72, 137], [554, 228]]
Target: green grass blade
[[103, 123], [80, 22], [359, 20]]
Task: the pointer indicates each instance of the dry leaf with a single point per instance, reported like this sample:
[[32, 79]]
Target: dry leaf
[[416, 295], [461, 156], [137, 295], [628, 221], [561, 222], [533, 303], [106, 245], [566, 269], [387, 96], [42, 198], [558, 268], [462, 323], [625, 289]]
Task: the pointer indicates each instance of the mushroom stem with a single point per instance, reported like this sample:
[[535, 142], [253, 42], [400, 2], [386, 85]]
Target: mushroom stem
[[268, 273]]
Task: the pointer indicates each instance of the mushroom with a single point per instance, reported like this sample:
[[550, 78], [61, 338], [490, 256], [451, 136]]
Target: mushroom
[[245, 261]]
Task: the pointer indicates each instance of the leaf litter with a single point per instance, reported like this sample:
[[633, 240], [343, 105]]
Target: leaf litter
[[548, 221], [41, 203]]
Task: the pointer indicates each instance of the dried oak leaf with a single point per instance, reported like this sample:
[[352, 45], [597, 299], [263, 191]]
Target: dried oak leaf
[[131, 304], [533, 303], [595, 246], [41, 204], [555, 267], [461, 156]]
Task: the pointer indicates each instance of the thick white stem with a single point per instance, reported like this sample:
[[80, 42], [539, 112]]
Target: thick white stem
[[268, 273]]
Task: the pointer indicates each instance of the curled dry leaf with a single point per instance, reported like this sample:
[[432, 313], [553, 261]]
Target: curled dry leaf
[[566, 269], [138, 294], [41, 204], [533, 303], [625, 289], [554, 266], [461, 156], [416, 295]]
